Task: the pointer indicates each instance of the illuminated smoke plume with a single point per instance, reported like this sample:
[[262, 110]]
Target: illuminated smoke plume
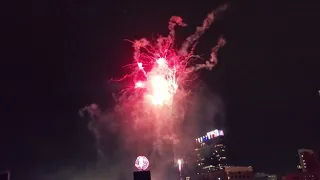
[[149, 114]]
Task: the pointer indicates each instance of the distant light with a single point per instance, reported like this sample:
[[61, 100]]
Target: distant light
[[216, 133], [211, 135], [221, 133], [179, 164], [142, 163]]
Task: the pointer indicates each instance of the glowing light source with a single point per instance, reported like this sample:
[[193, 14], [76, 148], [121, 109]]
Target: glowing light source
[[142, 163], [159, 90], [179, 164], [161, 61], [139, 84], [140, 65], [210, 135]]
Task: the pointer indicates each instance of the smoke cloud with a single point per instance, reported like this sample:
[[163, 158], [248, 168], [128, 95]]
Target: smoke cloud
[[136, 127]]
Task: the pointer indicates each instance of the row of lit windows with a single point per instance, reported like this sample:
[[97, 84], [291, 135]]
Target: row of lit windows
[[212, 157], [239, 177]]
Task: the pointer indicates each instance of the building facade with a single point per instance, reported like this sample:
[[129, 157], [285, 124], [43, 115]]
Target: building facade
[[230, 173], [300, 176], [210, 152], [309, 161], [308, 168]]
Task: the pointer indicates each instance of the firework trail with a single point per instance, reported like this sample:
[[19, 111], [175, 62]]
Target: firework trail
[[149, 114]]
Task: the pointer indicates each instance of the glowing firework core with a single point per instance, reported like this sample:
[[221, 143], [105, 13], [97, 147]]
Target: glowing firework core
[[160, 82], [142, 163]]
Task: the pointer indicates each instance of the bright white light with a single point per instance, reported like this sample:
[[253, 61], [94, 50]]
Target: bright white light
[[140, 65], [161, 61], [212, 134], [139, 84], [142, 163], [179, 164]]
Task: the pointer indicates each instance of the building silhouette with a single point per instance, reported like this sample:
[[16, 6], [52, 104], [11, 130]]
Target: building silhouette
[[308, 168], [309, 161], [229, 173]]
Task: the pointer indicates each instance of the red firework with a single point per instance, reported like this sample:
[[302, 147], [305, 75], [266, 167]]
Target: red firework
[[160, 70]]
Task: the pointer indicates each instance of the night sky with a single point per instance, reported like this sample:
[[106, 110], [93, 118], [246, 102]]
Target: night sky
[[268, 76]]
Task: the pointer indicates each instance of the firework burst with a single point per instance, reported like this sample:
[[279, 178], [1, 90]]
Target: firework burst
[[157, 102], [153, 108], [162, 70]]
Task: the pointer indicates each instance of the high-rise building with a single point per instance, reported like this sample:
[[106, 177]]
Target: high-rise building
[[309, 161], [210, 152]]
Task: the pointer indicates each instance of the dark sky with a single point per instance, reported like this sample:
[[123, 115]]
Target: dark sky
[[268, 76]]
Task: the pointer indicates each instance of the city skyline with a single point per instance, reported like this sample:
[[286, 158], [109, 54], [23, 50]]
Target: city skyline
[[263, 91]]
